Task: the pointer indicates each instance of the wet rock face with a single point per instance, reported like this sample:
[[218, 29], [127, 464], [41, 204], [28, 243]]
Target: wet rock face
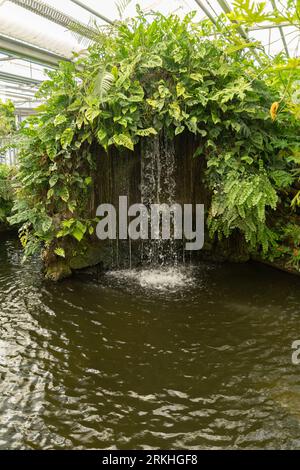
[[58, 271], [93, 255], [159, 171]]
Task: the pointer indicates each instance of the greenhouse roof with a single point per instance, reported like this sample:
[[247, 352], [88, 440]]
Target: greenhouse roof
[[35, 35]]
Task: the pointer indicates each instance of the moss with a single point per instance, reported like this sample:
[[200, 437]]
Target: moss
[[58, 271], [95, 254], [92, 256]]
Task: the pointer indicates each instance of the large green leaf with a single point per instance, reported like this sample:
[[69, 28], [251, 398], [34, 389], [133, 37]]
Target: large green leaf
[[67, 137], [60, 252], [146, 132], [123, 140], [60, 119]]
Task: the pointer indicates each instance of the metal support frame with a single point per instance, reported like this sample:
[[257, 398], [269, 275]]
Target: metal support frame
[[92, 11], [226, 8], [206, 11], [18, 96], [17, 48], [281, 31], [4, 88], [11, 78], [267, 26], [7, 58], [57, 16]]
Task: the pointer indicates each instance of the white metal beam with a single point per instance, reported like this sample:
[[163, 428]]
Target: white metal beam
[[226, 8], [206, 11], [17, 48], [281, 31], [267, 26], [11, 78], [57, 16], [92, 11]]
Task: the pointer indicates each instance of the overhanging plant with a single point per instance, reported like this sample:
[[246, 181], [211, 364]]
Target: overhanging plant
[[150, 74]]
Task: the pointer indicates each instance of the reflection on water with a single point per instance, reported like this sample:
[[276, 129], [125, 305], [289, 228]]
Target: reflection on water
[[118, 364]]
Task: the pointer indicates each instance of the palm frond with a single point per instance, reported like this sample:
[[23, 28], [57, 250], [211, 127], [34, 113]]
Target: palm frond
[[98, 32], [103, 83], [121, 6]]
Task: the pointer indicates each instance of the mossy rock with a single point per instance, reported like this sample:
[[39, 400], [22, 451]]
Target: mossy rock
[[93, 255], [58, 271]]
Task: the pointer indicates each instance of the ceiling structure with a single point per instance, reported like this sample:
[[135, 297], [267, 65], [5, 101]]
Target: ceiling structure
[[35, 35]]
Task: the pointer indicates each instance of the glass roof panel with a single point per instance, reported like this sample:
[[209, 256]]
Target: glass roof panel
[[17, 22]]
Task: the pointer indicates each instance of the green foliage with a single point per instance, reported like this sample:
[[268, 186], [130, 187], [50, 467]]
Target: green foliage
[[142, 77], [60, 252], [6, 192], [289, 248], [283, 70], [75, 228], [250, 12], [241, 202], [7, 124], [7, 118]]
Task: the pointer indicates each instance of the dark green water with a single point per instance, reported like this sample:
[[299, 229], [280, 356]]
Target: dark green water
[[121, 366]]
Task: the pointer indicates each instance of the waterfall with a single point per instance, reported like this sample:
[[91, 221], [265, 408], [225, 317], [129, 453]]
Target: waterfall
[[158, 186], [152, 264]]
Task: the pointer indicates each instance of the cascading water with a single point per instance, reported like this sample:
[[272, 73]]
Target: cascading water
[[158, 186], [159, 258]]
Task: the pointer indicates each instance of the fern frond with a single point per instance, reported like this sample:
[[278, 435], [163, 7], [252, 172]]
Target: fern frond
[[241, 202], [103, 83]]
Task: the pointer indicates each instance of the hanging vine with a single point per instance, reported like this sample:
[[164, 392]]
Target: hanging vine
[[142, 76]]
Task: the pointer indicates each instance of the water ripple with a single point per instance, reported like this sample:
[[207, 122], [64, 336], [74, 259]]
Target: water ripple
[[193, 358]]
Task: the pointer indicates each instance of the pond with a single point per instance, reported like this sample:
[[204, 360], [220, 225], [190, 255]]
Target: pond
[[193, 358]]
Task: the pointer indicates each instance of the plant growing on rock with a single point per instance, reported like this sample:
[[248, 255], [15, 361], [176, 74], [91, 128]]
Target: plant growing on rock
[[7, 124], [6, 192], [141, 78]]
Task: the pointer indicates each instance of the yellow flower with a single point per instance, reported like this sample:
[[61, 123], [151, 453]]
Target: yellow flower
[[274, 110]]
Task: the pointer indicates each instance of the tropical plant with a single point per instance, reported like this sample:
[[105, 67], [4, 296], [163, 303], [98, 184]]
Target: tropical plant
[[283, 71], [6, 192], [7, 124], [150, 75]]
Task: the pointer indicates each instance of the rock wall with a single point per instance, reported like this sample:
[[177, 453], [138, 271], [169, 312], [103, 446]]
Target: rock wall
[[121, 174]]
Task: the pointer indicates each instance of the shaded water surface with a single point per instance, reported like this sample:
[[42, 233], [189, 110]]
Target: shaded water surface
[[125, 364]]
